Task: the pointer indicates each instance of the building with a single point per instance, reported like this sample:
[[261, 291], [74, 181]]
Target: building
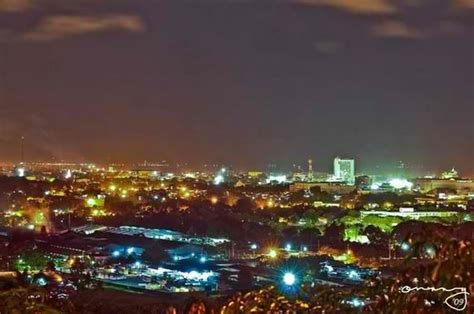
[[429, 184], [344, 170], [363, 182], [409, 213], [329, 187]]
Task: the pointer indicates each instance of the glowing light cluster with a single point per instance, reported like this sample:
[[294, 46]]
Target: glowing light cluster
[[401, 184]]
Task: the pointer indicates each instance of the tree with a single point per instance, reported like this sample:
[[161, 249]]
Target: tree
[[334, 234], [375, 235], [34, 259], [50, 266], [310, 216], [244, 204]]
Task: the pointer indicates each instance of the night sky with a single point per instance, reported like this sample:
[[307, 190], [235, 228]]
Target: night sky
[[239, 82]]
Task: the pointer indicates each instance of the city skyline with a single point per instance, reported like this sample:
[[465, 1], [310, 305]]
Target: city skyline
[[397, 169]]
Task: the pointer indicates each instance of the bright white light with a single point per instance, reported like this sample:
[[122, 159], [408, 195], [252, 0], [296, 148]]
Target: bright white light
[[68, 174], [21, 172], [405, 246], [329, 268], [288, 247], [138, 264], [130, 250], [175, 258], [202, 259], [277, 178], [253, 246], [353, 274], [289, 279], [41, 282], [401, 184], [305, 248], [115, 253], [194, 275], [375, 186], [357, 303], [218, 179]]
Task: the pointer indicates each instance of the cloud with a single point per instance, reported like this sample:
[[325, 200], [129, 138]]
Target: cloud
[[355, 6], [397, 29], [55, 27], [14, 5], [464, 4], [328, 47]]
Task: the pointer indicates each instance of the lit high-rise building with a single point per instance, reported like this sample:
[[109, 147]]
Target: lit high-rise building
[[344, 170]]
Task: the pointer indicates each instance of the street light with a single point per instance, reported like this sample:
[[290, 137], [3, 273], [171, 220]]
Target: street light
[[272, 253], [289, 279], [353, 274], [357, 303]]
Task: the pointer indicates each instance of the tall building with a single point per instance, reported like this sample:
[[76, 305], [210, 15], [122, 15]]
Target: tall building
[[310, 170], [344, 170]]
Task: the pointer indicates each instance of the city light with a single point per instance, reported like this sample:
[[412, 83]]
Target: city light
[[353, 274], [272, 253], [277, 178], [400, 184], [91, 202], [357, 303], [218, 179], [430, 251], [20, 172], [41, 282], [329, 268], [375, 186], [288, 156], [289, 279]]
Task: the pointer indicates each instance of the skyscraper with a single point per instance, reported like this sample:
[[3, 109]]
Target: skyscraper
[[344, 170]]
